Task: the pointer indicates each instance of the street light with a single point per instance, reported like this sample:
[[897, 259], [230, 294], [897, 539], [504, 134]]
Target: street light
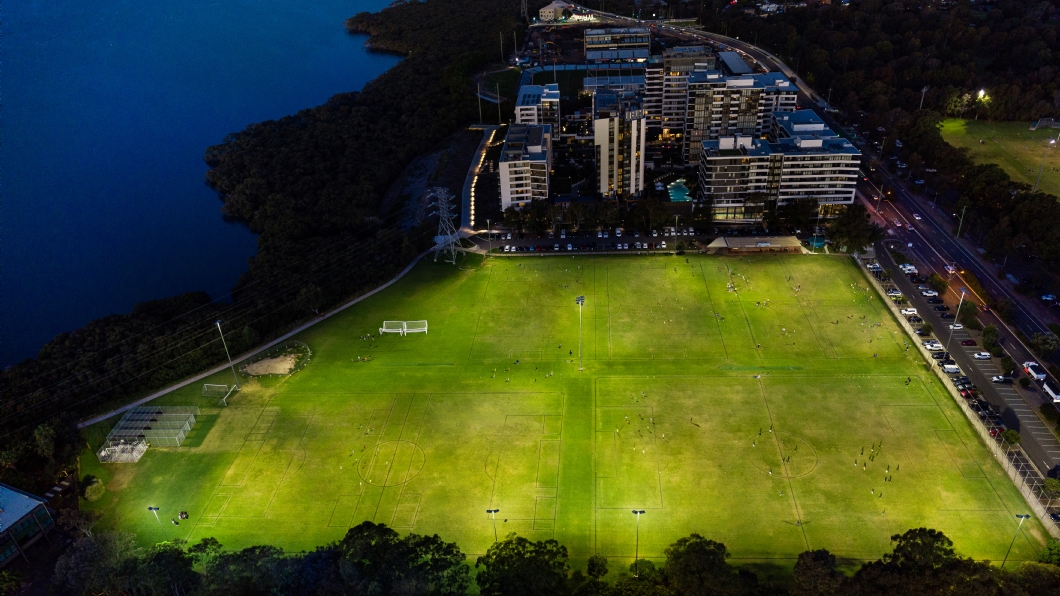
[[950, 338], [489, 238], [493, 513], [923, 92], [160, 526], [1021, 517], [581, 302], [636, 552], [234, 376]]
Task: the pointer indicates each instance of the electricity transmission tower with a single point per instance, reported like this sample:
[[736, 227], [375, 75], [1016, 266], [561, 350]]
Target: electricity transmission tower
[[448, 240]]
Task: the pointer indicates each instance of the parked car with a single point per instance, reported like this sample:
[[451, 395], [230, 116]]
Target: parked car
[[968, 342], [947, 315], [914, 319], [956, 326], [942, 307], [981, 355], [908, 311], [929, 293], [935, 301], [1000, 379], [917, 217]]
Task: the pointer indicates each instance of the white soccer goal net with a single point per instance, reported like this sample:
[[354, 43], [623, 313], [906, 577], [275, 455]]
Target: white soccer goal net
[[415, 326], [392, 327], [209, 390]]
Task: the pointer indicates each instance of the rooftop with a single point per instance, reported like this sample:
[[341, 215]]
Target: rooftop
[[618, 31], [526, 142], [734, 63], [771, 80], [755, 242], [14, 505]]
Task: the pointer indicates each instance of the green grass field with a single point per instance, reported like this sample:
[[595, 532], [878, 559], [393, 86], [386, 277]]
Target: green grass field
[[684, 378], [1012, 146]]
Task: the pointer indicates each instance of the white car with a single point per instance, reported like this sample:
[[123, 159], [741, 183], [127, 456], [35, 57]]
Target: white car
[[570, 247], [507, 248], [981, 355], [908, 311], [934, 347], [950, 269], [929, 294], [917, 217], [654, 233], [956, 326], [599, 234], [618, 232], [663, 244], [625, 247], [894, 292], [897, 224]]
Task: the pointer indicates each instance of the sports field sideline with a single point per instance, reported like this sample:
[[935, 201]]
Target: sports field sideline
[[759, 401]]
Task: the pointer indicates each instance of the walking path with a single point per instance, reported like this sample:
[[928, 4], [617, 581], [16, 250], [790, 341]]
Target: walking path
[[467, 219], [243, 357]]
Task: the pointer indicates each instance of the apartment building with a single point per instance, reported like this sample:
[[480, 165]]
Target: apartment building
[[619, 129], [742, 177], [525, 164], [538, 104], [800, 123], [666, 85], [719, 105]]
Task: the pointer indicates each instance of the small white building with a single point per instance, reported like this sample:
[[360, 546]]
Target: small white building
[[554, 11], [525, 163]]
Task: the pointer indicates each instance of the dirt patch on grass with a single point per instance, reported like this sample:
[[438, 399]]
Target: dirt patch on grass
[[280, 365]]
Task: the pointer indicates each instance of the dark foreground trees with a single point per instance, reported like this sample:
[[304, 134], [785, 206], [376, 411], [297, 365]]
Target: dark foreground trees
[[373, 559]]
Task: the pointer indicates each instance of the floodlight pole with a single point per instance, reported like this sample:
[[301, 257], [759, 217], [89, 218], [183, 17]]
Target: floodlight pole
[[961, 224], [493, 513], [1021, 518], [581, 302], [957, 318], [636, 552], [1042, 167], [223, 343]]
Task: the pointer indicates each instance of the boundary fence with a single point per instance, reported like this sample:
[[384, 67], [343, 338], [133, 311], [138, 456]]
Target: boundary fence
[[1019, 468]]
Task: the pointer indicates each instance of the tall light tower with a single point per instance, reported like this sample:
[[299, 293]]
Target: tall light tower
[[233, 366], [154, 510], [581, 302], [493, 513], [636, 553], [448, 239]]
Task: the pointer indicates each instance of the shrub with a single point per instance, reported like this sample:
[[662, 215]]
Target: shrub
[[1011, 437], [1049, 412], [95, 490], [1008, 365], [1024, 382], [927, 328], [997, 352]]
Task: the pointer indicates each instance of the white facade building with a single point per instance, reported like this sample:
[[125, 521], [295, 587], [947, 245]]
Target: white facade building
[[619, 135], [525, 164], [553, 12], [538, 104], [666, 85], [741, 177]]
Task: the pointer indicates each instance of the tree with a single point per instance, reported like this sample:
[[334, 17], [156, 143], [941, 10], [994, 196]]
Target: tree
[[1045, 343], [375, 559], [1051, 553], [1008, 365], [1033, 579], [854, 229], [927, 328], [597, 567], [816, 575], [695, 566], [515, 567], [1052, 490], [991, 337], [920, 549], [1011, 437], [89, 563], [939, 284], [311, 298], [44, 441], [10, 583]]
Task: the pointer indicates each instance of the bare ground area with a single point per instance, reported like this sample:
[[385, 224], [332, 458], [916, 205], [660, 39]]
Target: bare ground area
[[280, 365]]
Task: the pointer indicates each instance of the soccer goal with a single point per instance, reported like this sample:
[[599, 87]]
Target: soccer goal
[[415, 326], [392, 327], [221, 392]]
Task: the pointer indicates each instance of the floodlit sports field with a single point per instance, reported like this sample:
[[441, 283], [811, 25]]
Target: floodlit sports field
[[1011, 145], [688, 366]]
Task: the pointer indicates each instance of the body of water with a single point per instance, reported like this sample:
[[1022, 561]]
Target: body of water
[[678, 191], [108, 108]]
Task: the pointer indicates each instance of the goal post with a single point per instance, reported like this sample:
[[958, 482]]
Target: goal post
[[210, 390], [392, 327], [415, 326]]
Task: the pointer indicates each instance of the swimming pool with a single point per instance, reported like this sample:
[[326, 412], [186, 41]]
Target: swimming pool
[[678, 191]]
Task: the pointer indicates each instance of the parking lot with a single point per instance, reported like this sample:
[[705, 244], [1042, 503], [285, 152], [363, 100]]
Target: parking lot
[[600, 240]]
